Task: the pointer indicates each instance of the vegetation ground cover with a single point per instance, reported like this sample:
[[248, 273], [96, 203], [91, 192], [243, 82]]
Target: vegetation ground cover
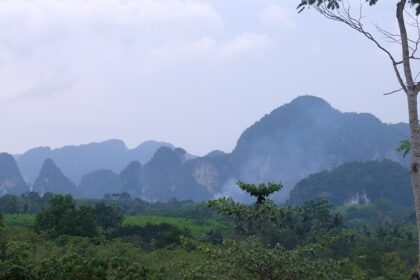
[[63, 238]]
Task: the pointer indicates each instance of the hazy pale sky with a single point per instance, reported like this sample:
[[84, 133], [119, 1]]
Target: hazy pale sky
[[195, 73]]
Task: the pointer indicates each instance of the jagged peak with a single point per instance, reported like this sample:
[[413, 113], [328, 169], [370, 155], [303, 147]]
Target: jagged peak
[[49, 168], [49, 164]]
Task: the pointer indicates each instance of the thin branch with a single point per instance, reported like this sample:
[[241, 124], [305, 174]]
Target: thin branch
[[418, 74], [393, 38], [394, 91], [415, 24], [343, 15]]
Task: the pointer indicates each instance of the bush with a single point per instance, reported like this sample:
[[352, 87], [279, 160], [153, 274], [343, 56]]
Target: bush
[[63, 218], [151, 236]]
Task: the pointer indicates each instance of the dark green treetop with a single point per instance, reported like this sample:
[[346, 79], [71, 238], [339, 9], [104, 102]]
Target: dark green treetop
[[108, 216], [63, 218], [260, 191]]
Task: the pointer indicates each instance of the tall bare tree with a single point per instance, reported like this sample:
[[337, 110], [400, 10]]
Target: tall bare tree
[[403, 63]]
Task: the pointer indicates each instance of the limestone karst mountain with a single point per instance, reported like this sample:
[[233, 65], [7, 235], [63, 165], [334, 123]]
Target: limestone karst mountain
[[11, 180], [99, 183], [303, 137], [357, 183], [51, 179], [167, 176], [131, 179], [112, 154], [307, 136]]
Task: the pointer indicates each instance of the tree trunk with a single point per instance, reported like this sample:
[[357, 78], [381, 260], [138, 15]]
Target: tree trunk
[[415, 162], [411, 90]]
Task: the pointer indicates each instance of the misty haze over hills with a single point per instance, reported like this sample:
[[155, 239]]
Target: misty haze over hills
[[77, 161], [300, 138]]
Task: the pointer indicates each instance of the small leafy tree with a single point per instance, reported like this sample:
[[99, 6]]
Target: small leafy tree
[[63, 218], [260, 191], [255, 219], [254, 257]]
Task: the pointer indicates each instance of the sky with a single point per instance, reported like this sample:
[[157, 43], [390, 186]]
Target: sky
[[194, 73]]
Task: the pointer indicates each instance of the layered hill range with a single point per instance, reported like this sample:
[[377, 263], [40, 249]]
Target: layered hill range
[[300, 138], [357, 183]]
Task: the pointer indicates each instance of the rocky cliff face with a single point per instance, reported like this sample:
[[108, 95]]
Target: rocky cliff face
[[211, 171], [170, 174], [51, 179], [205, 174], [11, 180], [167, 176], [307, 136], [131, 179]]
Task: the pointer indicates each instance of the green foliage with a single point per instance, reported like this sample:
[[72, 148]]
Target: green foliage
[[259, 256], [251, 220], [108, 216], [77, 267], [250, 259], [72, 258], [1, 220], [379, 213], [260, 191], [404, 147], [362, 182], [197, 229], [313, 241], [63, 218], [151, 236], [13, 264], [19, 220], [312, 222], [10, 204]]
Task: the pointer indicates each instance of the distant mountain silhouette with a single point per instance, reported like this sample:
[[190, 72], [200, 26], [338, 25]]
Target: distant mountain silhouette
[[167, 176], [307, 136], [99, 183], [303, 137], [357, 183], [11, 181], [51, 179], [76, 161]]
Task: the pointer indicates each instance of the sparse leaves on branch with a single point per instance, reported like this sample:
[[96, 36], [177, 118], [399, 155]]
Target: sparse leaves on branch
[[335, 4], [404, 147], [260, 191]]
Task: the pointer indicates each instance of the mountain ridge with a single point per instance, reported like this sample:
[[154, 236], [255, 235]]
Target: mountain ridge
[[302, 137], [111, 154], [52, 179]]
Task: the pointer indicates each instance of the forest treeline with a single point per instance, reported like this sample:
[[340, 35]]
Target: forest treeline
[[117, 237]]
